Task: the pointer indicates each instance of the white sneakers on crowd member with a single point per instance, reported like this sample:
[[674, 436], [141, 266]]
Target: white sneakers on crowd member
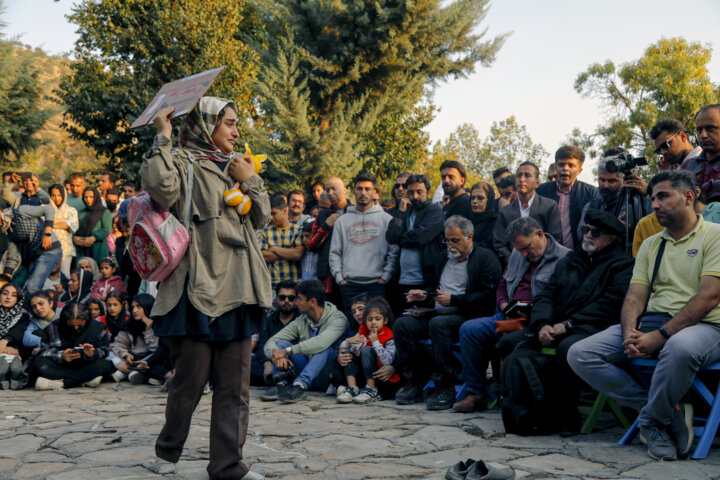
[[346, 394], [119, 376], [94, 383], [367, 395], [154, 382], [137, 378], [43, 383]]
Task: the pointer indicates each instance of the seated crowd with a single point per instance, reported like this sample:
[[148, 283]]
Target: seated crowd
[[409, 298]]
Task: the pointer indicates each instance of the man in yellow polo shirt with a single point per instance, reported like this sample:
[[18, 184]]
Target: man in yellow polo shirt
[[687, 289]]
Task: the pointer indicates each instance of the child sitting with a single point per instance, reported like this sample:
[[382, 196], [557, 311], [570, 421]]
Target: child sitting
[[79, 287], [375, 355], [44, 312], [97, 308], [135, 342], [108, 281], [13, 322]]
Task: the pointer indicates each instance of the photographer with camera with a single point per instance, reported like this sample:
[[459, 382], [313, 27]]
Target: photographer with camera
[[622, 191], [672, 145]]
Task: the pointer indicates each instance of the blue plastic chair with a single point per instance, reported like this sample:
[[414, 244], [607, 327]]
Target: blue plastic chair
[[707, 430]]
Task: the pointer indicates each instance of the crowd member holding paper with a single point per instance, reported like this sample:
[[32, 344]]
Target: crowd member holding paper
[[213, 302]]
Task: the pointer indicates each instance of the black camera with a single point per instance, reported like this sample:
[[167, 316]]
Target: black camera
[[624, 163]]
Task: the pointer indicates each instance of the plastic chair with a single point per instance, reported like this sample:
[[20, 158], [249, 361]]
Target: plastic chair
[[707, 430]]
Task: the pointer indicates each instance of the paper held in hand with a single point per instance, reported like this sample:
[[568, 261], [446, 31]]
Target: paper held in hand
[[182, 94]]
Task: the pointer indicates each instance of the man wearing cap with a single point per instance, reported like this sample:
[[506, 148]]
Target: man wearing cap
[[684, 299], [582, 297]]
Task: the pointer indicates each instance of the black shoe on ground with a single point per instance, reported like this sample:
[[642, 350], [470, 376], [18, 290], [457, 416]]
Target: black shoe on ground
[[408, 394], [272, 393], [441, 399], [292, 394], [682, 429], [481, 470], [459, 470]]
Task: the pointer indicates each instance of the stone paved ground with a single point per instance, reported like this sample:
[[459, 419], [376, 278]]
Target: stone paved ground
[[107, 433]]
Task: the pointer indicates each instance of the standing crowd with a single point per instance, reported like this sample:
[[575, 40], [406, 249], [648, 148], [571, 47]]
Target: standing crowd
[[404, 299]]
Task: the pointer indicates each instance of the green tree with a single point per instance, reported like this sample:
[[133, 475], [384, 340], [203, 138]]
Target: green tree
[[507, 145], [671, 79], [21, 115], [347, 65], [127, 49]]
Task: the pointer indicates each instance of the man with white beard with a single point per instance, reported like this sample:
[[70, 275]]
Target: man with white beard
[[582, 297]]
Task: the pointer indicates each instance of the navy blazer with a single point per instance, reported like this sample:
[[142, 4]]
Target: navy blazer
[[581, 194], [544, 210]]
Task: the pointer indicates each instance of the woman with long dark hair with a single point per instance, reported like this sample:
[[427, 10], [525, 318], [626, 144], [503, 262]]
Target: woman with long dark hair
[[95, 226], [484, 213], [213, 302]]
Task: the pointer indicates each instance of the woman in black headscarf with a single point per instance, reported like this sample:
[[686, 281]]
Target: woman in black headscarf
[[95, 226], [485, 212], [73, 351]]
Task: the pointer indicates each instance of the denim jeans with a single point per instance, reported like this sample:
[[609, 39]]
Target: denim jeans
[[686, 352], [310, 368], [477, 345], [40, 269]]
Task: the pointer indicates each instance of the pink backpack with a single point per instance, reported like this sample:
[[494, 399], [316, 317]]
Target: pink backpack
[[158, 241]]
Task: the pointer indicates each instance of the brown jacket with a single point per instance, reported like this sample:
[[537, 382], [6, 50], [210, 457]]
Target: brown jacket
[[224, 263]]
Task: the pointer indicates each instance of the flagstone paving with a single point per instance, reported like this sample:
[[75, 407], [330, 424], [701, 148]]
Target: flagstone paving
[[107, 433]]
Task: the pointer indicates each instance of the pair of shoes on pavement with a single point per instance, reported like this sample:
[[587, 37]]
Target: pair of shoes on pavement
[[471, 403], [284, 393], [356, 395], [163, 467], [675, 444], [477, 469]]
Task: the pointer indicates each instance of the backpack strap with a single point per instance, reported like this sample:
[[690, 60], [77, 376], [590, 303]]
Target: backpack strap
[[536, 387], [188, 193], [656, 267]]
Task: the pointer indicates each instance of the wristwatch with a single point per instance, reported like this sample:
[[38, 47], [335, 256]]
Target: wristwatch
[[568, 324], [664, 332], [48, 234], [288, 350]]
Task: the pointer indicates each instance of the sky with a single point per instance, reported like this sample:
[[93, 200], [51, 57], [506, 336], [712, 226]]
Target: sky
[[532, 78]]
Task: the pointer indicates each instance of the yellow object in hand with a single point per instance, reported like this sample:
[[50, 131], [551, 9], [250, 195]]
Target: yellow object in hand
[[236, 198]]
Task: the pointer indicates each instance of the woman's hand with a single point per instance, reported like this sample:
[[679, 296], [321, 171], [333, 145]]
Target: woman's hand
[[356, 340], [69, 355], [162, 121], [89, 349], [384, 373], [344, 358], [241, 168]]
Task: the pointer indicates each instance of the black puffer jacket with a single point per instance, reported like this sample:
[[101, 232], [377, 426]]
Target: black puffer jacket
[[587, 290]]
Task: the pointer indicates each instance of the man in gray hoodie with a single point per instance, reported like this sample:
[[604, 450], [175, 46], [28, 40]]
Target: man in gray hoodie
[[361, 260], [307, 346]]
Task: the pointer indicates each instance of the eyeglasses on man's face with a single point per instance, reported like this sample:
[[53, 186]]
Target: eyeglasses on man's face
[[666, 144]]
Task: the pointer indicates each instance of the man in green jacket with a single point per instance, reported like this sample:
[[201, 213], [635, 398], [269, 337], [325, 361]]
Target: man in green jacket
[[307, 345]]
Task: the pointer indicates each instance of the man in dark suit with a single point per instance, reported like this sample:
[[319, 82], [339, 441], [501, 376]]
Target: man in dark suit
[[570, 193], [528, 204]]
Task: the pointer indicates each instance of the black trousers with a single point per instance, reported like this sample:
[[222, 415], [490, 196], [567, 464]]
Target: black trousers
[[73, 374], [443, 331], [227, 365]]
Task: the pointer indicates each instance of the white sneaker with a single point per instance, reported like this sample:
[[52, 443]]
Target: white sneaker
[[367, 395], [43, 383], [119, 376], [160, 466], [94, 383], [346, 394], [154, 382], [253, 476]]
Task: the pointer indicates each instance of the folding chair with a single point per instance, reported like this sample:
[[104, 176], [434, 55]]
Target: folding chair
[[708, 428]]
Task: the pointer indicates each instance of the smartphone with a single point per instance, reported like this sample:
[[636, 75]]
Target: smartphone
[[78, 349]]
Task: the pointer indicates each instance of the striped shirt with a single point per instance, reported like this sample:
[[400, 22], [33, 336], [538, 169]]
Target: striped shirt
[[289, 237]]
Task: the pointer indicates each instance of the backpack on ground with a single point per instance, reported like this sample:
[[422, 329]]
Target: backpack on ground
[[529, 396], [158, 241]]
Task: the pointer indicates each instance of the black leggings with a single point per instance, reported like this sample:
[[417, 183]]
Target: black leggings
[[75, 373]]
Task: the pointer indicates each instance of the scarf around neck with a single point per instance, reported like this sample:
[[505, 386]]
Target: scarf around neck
[[10, 318], [198, 126], [95, 213]]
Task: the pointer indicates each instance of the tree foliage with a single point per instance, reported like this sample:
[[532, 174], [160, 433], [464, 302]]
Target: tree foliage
[[507, 145], [127, 49], [333, 71], [21, 114], [671, 79]]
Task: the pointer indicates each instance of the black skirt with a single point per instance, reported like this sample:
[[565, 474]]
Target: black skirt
[[185, 320]]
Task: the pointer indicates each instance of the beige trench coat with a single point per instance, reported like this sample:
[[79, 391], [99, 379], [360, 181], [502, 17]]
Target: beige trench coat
[[224, 263]]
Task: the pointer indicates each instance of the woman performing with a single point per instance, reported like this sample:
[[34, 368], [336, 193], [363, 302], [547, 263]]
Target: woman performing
[[213, 302]]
